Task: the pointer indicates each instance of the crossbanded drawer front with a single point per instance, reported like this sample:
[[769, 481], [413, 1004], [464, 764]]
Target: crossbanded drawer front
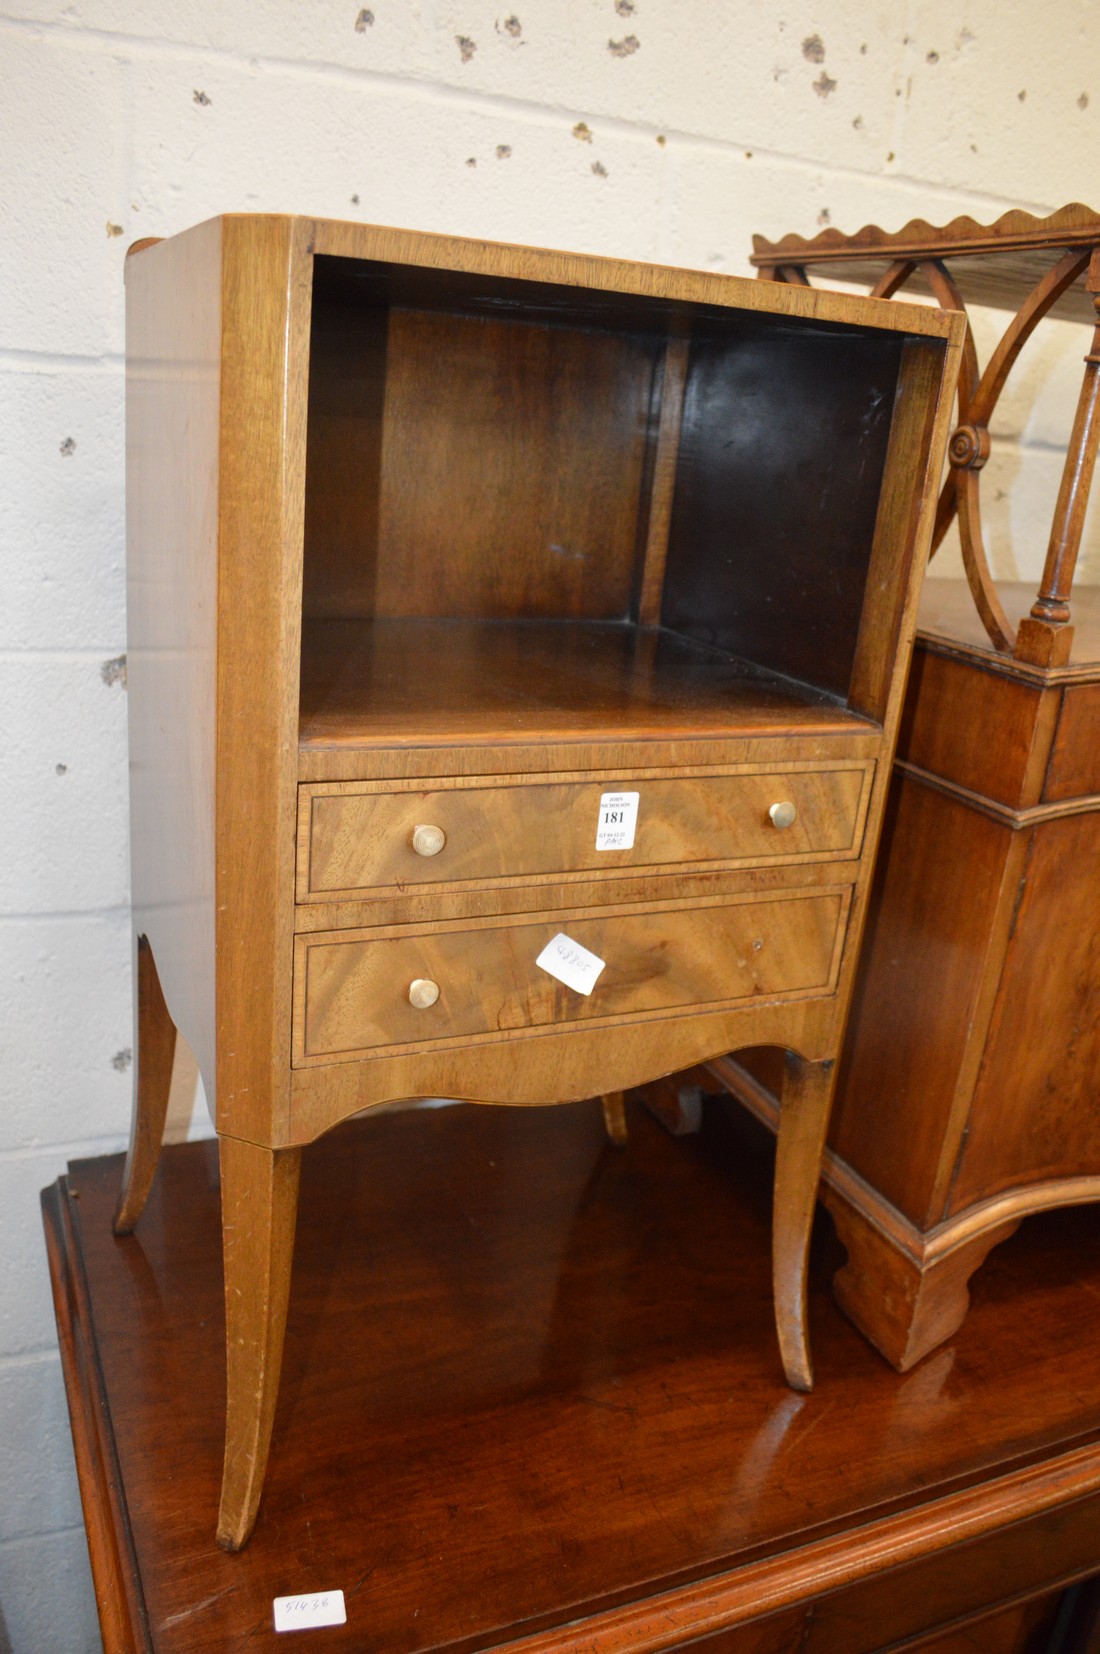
[[358, 992], [358, 838]]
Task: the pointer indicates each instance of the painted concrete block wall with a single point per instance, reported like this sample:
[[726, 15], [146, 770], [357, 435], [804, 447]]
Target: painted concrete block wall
[[655, 129]]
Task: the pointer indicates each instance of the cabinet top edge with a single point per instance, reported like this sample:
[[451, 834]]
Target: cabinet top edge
[[466, 255]]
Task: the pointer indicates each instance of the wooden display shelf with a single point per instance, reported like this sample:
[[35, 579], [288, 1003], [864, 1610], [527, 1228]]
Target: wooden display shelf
[[531, 1398], [372, 682]]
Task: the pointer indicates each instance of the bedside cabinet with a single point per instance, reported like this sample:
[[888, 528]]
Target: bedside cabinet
[[516, 650]]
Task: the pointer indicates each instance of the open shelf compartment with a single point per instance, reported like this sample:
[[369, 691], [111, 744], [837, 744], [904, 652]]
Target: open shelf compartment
[[543, 509]]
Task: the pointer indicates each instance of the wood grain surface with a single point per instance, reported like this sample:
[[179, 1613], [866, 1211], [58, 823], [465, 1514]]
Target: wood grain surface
[[1035, 267], [173, 429], [266, 278], [963, 1101], [770, 540], [352, 987], [943, 889], [1033, 1117], [1075, 758], [466, 900], [951, 1126], [582, 1058], [948, 621], [1009, 769], [450, 480], [895, 558], [424, 682], [531, 1396], [154, 1050], [669, 413], [347, 392], [511, 483], [485, 276], [352, 839], [259, 1201]]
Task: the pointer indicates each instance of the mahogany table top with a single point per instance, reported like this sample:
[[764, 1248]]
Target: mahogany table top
[[531, 1395], [947, 616]]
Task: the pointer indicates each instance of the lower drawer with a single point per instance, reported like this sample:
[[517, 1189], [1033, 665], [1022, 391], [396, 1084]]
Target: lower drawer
[[352, 988]]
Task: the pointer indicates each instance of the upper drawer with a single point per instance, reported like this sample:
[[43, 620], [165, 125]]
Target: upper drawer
[[362, 836]]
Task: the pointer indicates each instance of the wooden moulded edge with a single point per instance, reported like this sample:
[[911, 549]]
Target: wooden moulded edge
[[800, 1576], [1073, 224], [386, 244], [923, 1247], [856, 741], [1018, 820], [1007, 666], [114, 1566]]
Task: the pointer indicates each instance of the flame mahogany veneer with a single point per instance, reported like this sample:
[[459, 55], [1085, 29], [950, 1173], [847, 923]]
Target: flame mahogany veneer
[[433, 545]]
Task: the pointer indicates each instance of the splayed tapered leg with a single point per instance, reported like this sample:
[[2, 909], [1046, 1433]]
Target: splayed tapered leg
[[259, 1212], [154, 1052], [803, 1120], [614, 1117]]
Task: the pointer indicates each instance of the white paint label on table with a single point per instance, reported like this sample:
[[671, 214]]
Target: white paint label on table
[[570, 963], [617, 821], [305, 1613]]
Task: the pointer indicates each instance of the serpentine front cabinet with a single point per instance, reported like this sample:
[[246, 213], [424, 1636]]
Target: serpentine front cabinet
[[516, 644]]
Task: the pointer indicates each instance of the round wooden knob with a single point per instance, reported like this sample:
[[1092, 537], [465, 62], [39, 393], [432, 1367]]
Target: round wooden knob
[[783, 814], [423, 992], [427, 840]]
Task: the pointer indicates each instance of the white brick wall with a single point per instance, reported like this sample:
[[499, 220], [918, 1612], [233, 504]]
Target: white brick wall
[[708, 119]]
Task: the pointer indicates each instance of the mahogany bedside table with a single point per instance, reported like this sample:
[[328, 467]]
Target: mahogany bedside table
[[516, 649]]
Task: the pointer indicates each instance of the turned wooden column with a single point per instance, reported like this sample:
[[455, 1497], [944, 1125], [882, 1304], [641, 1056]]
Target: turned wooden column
[[1045, 635]]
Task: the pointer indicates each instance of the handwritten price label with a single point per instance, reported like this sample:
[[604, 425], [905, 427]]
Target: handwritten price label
[[304, 1613], [570, 963]]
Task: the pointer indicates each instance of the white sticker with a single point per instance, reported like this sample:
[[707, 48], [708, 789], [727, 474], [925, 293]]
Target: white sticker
[[570, 963], [303, 1613], [617, 821]]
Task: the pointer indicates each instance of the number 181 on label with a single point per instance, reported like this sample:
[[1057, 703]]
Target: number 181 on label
[[617, 821]]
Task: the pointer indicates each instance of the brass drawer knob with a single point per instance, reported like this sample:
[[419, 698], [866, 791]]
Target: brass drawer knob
[[784, 814], [427, 840], [423, 992]]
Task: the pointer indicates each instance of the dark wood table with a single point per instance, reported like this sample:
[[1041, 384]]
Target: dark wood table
[[531, 1397]]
